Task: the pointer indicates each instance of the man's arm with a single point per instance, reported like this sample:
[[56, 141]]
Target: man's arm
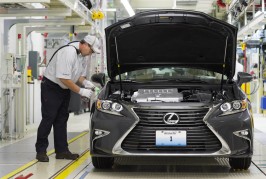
[[81, 79], [86, 83], [73, 87], [70, 84]]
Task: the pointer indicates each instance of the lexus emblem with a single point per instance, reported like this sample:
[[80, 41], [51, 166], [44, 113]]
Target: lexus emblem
[[171, 118]]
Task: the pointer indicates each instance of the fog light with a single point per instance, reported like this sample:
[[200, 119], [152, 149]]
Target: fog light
[[225, 107], [244, 132], [98, 132]]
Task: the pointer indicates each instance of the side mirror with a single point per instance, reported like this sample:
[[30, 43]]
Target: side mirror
[[98, 78], [243, 77]]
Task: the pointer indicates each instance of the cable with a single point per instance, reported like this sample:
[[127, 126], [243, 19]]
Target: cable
[[255, 89], [6, 78], [5, 113]]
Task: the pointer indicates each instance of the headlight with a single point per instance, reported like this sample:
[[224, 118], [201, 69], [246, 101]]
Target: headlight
[[109, 107], [117, 107], [225, 107], [236, 105], [233, 107], [106, 105]]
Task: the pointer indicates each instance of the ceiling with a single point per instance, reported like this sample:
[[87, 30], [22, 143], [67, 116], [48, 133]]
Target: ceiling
[[206, 6], [198, 5]]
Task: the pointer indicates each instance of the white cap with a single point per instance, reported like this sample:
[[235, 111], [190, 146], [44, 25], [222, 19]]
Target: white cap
[[94, 42]]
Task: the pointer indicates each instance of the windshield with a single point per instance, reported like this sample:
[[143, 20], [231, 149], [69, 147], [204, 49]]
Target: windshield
[[171, 73]]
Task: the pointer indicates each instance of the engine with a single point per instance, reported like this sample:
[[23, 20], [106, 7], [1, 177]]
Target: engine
[[157, 95], [169, 95]]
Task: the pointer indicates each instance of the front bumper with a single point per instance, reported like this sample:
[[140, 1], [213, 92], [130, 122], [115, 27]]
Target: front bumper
[[222, 136]]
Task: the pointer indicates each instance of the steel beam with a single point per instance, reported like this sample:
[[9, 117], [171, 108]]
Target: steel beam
[[62, 29], [35, 12], [25, 1], [8, 23], [79, 9]]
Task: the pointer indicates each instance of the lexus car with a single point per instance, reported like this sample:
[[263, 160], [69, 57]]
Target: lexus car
[[171, 91]]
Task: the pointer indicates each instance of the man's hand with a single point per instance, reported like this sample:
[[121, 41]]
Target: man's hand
[[85, 92], [89, 85]]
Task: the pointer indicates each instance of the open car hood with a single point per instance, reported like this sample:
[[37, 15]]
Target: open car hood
[[171, 38]]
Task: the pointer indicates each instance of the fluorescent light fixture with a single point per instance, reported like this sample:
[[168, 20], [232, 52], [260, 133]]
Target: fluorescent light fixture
[[128, 7], [34, 17], [110, 10], [147, 8], [36, 5], [186, 2]]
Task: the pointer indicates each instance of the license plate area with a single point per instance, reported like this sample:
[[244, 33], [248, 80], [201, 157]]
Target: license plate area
[[171, 138]]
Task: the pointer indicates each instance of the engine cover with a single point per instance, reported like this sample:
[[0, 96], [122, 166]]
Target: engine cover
[[157, 95]]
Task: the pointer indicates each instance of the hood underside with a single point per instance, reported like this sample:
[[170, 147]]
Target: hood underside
[[171, 38]]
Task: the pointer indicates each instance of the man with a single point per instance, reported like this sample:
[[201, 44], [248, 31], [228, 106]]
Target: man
[[67, 66], [239, 67]]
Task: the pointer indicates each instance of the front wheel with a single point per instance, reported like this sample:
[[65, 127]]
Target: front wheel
[[102, 162], [240, 163]]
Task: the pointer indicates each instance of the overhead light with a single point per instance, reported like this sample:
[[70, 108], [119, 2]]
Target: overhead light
[[147, 8], [36, 5], [186, 2], [128, 7], [110, 9], [35, 17]]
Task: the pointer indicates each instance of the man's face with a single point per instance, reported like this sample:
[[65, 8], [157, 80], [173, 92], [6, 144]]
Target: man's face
[[85, 49]]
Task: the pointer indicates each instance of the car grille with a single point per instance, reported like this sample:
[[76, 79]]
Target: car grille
[[200, 139]]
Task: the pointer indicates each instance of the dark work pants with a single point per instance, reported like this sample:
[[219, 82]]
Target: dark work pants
[[55, 101]]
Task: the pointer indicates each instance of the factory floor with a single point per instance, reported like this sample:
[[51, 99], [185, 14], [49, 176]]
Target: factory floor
[[17, 160]]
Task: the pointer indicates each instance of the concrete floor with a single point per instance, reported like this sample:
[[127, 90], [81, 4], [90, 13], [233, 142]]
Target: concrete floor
[[21, 154]]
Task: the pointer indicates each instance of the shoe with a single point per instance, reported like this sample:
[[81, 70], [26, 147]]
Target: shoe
[[42, 157], [66, 155]]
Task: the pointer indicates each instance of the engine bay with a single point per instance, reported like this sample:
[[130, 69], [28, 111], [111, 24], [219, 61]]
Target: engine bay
[[170, 95]]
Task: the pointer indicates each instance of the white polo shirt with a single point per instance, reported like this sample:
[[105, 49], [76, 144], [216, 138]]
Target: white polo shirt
[[239, 68], [66, 64]]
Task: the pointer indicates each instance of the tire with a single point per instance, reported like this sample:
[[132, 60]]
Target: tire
[[102, 162], [240, 163]]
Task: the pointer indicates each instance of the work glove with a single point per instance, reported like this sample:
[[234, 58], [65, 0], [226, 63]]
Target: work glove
[[85, 92], [89, 85]]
